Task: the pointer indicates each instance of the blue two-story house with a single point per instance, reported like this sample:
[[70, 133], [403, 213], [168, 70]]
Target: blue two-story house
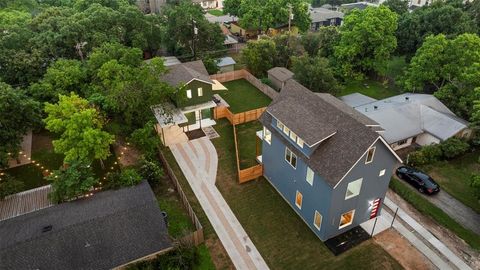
[[328, 161]]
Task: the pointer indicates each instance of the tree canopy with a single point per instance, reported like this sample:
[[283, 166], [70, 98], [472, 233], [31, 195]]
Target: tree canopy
[[315, 74], [398, 6], [19, 113], [259, 56], [366, 42]]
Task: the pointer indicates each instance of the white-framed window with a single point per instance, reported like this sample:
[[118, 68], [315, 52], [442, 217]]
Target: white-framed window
[[293, 136], [402, 142], [280, 125], [310, 176], [267, 135], [346, 219], [290, 157], [300, 142], [298, 199], [353, 188], [286, 130], [317, 220], [189, 93], [200, 91], [381, 173], [370, 154]]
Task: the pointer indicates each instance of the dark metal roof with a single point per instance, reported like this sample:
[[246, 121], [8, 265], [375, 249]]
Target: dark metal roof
[[185, 72], [296, 106], [107, 230]]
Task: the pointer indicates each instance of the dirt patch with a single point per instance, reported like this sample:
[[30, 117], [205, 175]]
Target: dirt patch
[[218, 254], [400, 249], [127, 155], [453, 242]]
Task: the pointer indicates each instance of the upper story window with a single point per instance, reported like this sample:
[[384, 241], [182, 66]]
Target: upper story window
[[189, 93], [298, 199], [290, 157], [293, 136], [280, 125], [317, 220], [290, 134], [353, 188], [200, 91], [381, 173], [300, 142], [370, 154], [286, 130], [310, 176], [267, 135]]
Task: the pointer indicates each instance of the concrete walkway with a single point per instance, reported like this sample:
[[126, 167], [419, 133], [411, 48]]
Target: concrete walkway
[[198, 160], [439, 254]]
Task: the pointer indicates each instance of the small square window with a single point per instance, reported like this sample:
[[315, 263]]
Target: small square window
[[382, 173], [346, 219], [200, 91], [280, 125], [299, 200], [267, 135], [317, 220], [189, 93], [310, 176], [370, 154], [300, 142], [353, 188], [286, 130], [293, 136]]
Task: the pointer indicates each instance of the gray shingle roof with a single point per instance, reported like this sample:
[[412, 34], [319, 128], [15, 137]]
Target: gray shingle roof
[[185, 72], [335, 156], [101, 232], [280, 73], [322, 14]]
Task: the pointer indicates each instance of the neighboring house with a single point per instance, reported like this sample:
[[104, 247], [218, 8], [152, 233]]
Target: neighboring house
[[279, 76], [209, 4], [324, 17], [358, 5], [226, 64], [151, 6], [107, 230], [170, 61], [220, 19], [411, 118], [237, 30], [325, 159], [192, 103]]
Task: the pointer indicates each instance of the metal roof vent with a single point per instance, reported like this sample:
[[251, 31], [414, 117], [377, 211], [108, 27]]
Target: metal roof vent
[[47, 228], [407, 98], [375, 107]]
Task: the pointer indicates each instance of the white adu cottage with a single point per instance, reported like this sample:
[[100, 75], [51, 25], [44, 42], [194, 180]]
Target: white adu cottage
[[410, 118]]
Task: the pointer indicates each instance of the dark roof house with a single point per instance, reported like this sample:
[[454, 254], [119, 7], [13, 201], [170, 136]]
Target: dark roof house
[[110, 229], [184, 73]]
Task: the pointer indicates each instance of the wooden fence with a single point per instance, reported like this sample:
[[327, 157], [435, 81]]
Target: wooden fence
[[196, 237], [247, 174], [237, 118], [244, 74]]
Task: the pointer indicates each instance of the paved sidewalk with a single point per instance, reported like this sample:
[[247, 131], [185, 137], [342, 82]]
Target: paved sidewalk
[[422, 239], [198, 160]]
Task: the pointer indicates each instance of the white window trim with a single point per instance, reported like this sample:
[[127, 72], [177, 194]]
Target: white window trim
[[321, 220], [200, 91], [286, 130], [189, 94], [300, 142], [381, 173], [313, 176], [373, 155], [296, 195], [291, 155], [293, 135], [347, 224], [265, 130], [280, 125], [353, 195]]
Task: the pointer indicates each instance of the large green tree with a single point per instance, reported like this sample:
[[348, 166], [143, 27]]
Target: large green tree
[[18, 114], [315, 74], [321, 42], [367, 41], [259, 56], [79, 126], [398, 6]]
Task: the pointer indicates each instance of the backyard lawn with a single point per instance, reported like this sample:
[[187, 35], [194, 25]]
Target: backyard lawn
[[282, 238], [216, 12], [247, 141], [369, 88], [454, 177], [243, 96]]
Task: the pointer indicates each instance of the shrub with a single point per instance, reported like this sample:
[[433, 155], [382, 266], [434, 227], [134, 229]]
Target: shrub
[[183, 257], [146, 140], [9, 185], [475, 184], [151, 171], [454, 147], [426, 155], [127, 177]]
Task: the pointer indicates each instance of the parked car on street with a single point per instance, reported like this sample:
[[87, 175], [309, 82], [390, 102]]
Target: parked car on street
[[418, 179]]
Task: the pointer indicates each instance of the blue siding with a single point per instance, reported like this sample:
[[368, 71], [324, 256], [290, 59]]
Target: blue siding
[[288, 180], [305, 149]]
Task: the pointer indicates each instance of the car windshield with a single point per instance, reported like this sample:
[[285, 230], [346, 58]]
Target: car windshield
[[429, 182]]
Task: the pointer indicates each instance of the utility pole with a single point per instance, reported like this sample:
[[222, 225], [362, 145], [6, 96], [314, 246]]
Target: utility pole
[[79, 46], [195, 33], [290, 17]]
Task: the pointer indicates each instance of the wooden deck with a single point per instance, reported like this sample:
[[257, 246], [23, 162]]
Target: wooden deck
[[25, 202]]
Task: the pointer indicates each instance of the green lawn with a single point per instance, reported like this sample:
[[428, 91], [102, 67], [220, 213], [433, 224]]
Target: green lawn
[[216, 12], [247, 141], [369, 88], [430, 210], [395, 67], [243, 96], [454, 177], [282, 238]]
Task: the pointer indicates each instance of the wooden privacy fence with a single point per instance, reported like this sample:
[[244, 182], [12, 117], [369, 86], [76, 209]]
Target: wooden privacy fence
[[237, 118], [196, 237], [244, 74], [247, 174]]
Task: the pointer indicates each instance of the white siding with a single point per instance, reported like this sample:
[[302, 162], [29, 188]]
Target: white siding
[[426, 139], [395, 146]]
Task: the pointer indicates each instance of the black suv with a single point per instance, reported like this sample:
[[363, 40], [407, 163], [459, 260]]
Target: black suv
[[418, 179]]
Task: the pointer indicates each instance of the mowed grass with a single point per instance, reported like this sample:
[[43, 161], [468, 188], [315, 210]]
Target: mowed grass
[[242, 96], [216, 12], [247, 143], [369, 88], [427, 208], [282, 238]]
